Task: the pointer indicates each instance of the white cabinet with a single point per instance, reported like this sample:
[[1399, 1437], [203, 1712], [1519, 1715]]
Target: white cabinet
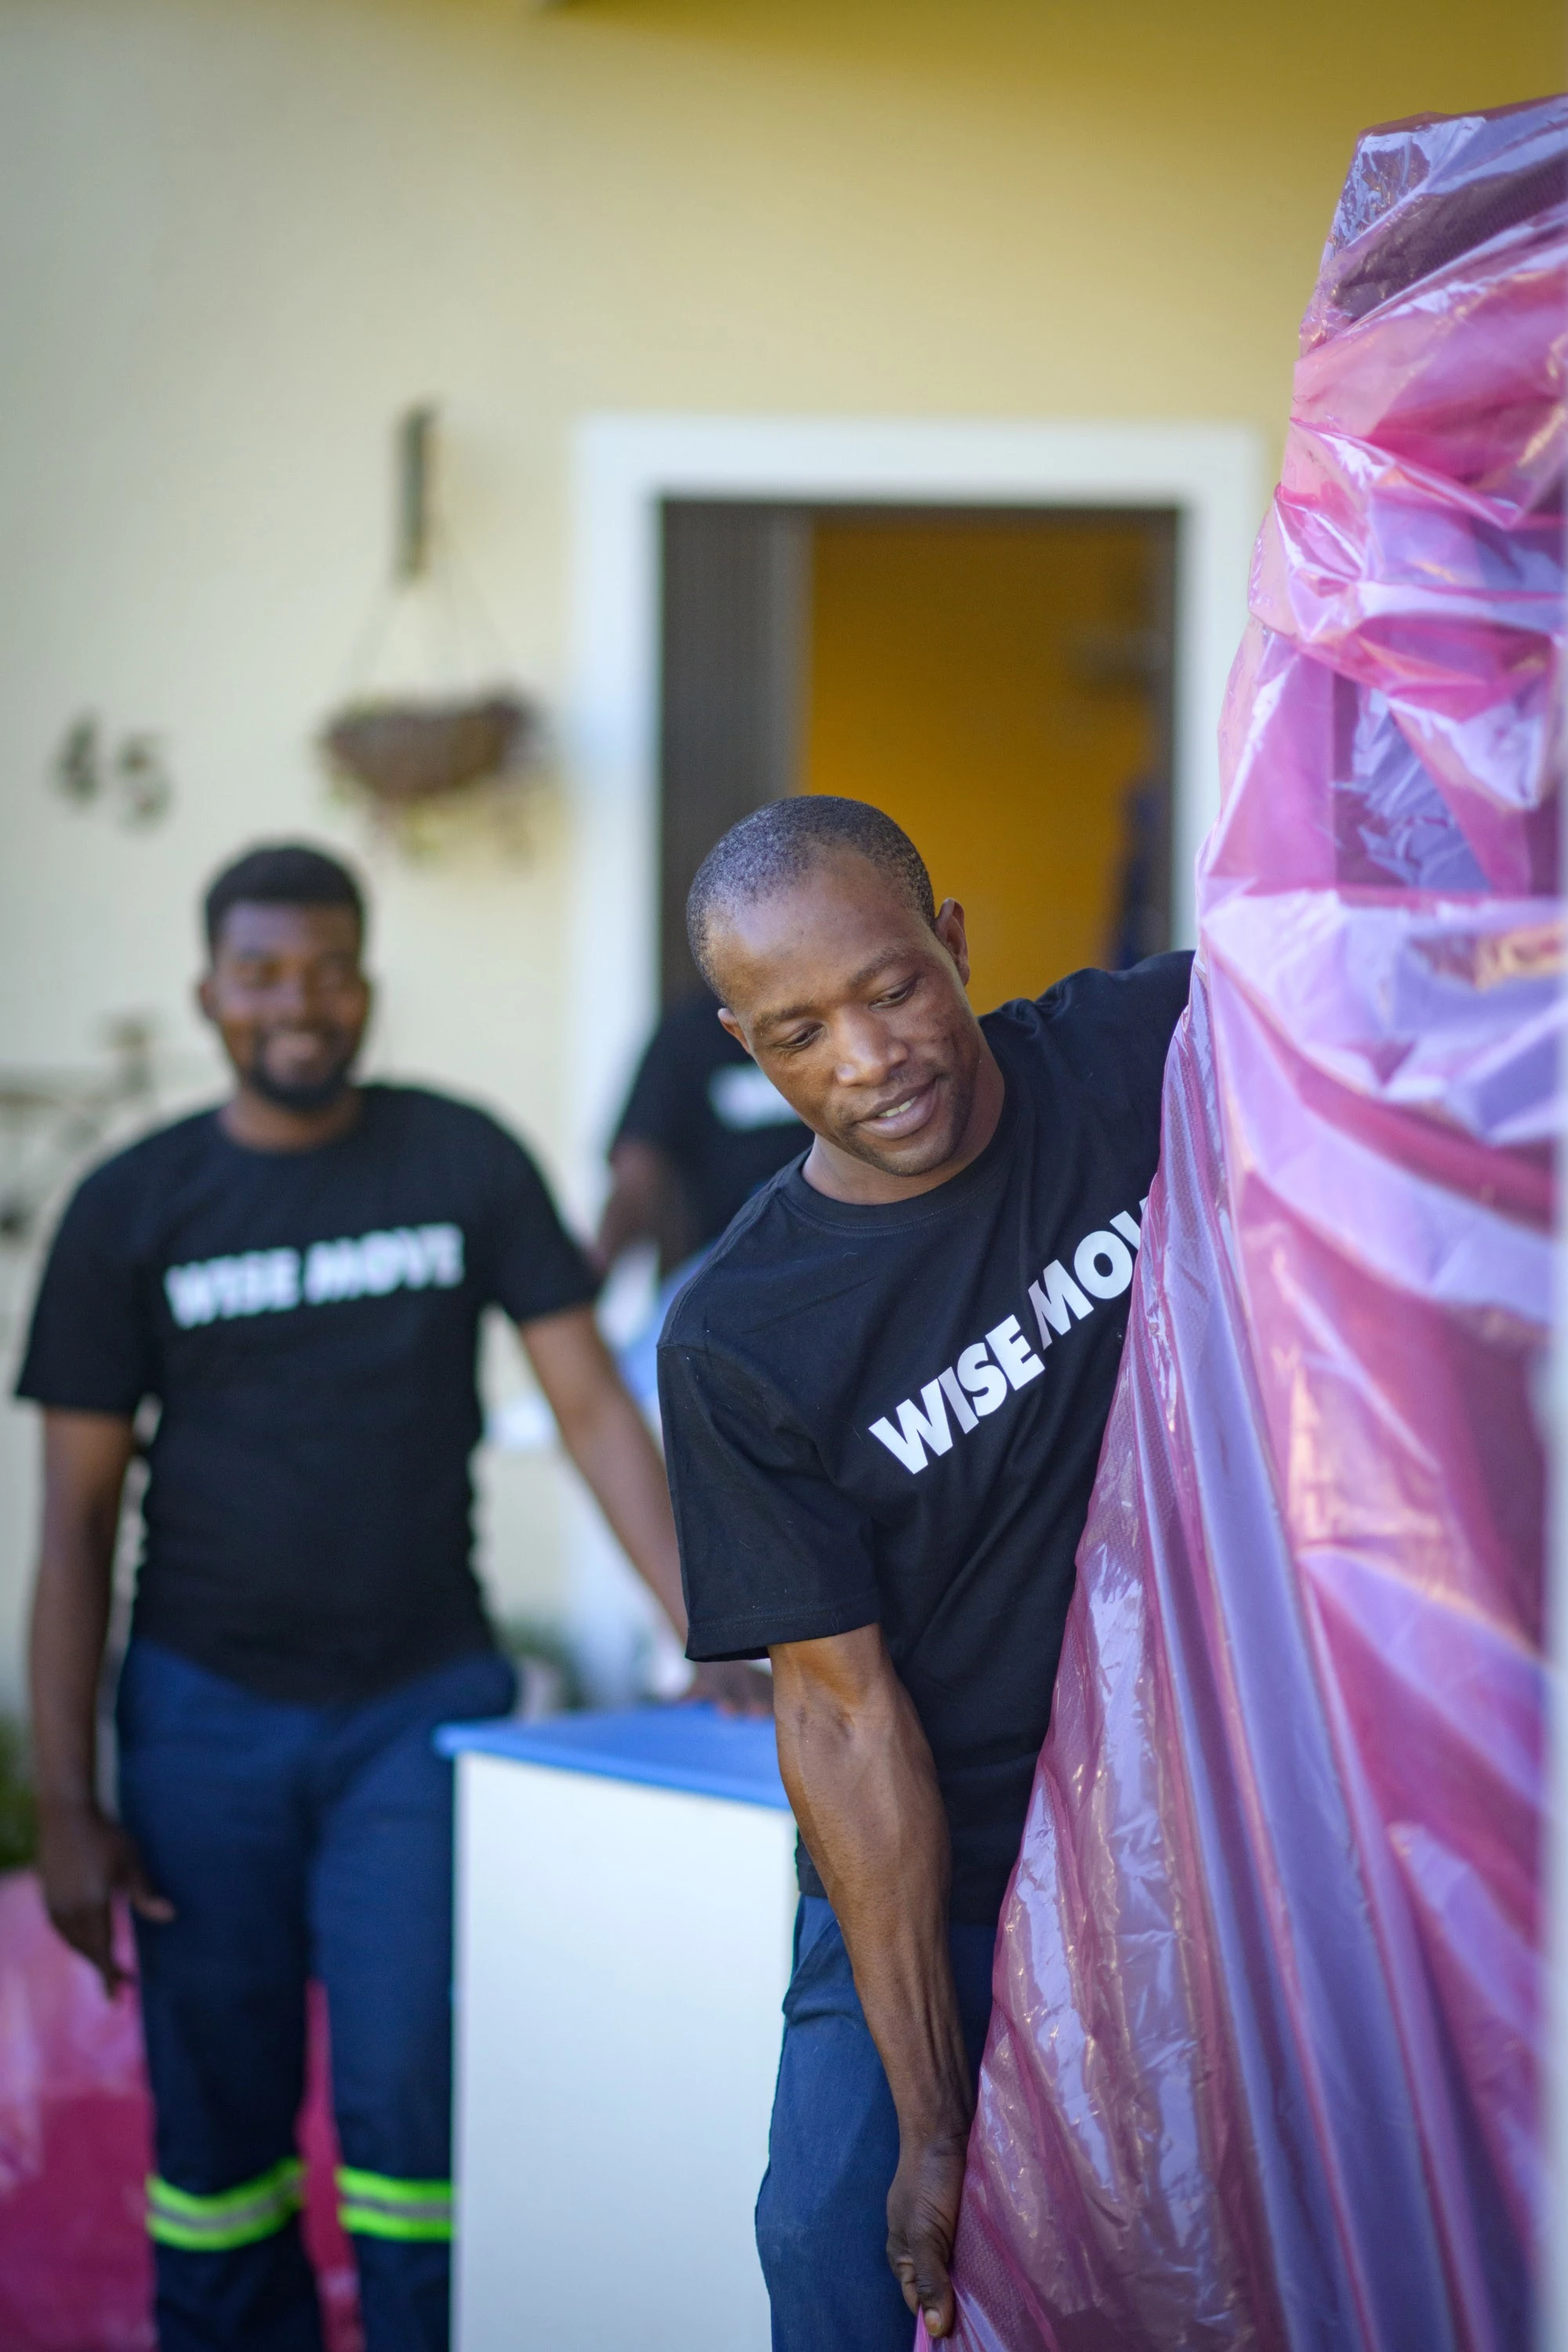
[[626, 1895]]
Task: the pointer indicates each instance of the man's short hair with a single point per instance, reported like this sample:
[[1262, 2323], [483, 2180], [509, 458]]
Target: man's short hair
[[281, 874], [779, 842]]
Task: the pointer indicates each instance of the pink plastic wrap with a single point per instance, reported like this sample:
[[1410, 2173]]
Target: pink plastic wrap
[[76, 2128], [75, 2272], [1265, 2060]]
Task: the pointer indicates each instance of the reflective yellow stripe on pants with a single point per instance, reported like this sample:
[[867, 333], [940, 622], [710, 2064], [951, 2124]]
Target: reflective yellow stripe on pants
[[374, 2205], [234, 2217]]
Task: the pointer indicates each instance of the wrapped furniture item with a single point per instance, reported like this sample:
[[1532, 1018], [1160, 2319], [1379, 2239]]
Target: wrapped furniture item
[[1265, 2067], [76, 2142]]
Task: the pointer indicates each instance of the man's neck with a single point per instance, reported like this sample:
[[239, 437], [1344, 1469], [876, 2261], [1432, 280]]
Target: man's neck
[[259, 1124], [839, 1176]]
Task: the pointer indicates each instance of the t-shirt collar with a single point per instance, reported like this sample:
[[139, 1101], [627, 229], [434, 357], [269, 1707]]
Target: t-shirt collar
[[314, 1153]]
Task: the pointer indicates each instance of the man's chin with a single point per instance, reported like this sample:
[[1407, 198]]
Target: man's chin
[[316, 1094], [929, 1148]]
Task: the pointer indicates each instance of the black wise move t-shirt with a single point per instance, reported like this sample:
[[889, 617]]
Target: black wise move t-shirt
[[307, 1323], [701, 1098], [894, 1414]]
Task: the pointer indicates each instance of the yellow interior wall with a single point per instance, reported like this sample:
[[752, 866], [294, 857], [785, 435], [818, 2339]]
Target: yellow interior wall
[[952, 682]]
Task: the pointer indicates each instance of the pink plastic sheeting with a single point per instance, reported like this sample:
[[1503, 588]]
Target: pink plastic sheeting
[[76, 2272], [1266, 2061]]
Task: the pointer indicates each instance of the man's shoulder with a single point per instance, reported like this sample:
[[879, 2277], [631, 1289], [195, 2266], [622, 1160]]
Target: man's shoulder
[[428, 1115], [150, 1161], [1152, 990], [117, 1208], [425, 1106], [761, 1237], [1091, 1013]]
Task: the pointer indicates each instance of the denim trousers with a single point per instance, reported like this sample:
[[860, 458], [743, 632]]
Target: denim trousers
[[832, 2149], [296, 1842]]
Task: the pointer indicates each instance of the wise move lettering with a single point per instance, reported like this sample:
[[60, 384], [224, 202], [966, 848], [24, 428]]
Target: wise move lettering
[[271, 1281], [991, 1370]]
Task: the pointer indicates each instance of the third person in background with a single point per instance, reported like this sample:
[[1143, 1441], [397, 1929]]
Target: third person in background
[[702, 1128]]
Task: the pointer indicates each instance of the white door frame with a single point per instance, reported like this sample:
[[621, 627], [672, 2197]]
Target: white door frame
[[626, 466]]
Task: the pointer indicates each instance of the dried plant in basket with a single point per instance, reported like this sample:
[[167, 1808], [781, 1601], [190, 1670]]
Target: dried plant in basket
[[406, 754]]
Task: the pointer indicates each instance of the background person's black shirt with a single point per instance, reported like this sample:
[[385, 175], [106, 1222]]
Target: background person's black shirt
[[701, 1098], [893, 1414], [307, 1322]]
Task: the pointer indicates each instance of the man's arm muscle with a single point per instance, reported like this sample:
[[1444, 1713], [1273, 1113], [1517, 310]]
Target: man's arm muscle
[[647, 1201], [861, 1778], [609, 1440], [83, 1858]]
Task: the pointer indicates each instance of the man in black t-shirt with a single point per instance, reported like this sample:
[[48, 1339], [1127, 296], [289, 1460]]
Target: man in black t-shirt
[[293, 1284], [702, 1128], [883, 1400]]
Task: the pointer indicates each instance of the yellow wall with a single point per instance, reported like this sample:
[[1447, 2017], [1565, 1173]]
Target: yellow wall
[[951, 682], [235, 236]]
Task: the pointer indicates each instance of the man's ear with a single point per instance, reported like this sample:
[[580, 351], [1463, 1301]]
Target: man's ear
[[728, 1021], [202, 992], [949, 928]]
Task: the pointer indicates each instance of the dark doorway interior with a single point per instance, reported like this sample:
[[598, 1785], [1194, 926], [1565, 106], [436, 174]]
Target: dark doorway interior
[[733, 609], [999, 681]]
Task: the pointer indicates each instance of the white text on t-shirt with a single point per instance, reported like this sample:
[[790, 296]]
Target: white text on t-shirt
[[992, 1370], [271, 1281]]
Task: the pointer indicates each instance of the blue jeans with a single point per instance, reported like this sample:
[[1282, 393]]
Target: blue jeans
[[296, 1842], [832, 2149]]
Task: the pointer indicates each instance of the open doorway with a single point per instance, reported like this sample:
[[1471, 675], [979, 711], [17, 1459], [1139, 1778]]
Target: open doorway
[[999, 680], [640, 709]]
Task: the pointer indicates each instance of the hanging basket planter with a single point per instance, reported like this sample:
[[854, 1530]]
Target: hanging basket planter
[[429, 738], [406, 755]]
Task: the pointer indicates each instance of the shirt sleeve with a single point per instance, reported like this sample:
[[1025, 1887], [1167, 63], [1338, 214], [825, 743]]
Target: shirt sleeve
[[1164, 983], [535, 1267], [1157, 991], [769, 1549], [1114, 1029], [91, 1347]]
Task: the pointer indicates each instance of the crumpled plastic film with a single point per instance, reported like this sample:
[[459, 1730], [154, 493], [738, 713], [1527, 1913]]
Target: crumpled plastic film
[[1266, 2061], [75, 2145]]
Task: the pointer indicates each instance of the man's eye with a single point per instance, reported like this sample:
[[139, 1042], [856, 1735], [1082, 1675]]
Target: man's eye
[[897, 995], [793, 1044]]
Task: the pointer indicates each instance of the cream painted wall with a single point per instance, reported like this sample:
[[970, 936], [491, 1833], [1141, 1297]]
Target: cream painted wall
[[237, 234]]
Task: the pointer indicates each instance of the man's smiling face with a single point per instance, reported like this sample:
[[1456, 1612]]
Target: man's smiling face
[[854, 1008], [286, 995]]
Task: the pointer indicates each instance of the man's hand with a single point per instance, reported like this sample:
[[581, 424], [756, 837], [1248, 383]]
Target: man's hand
[[84, 1862], [860, 1779], [733, 1687], [923, 2217]]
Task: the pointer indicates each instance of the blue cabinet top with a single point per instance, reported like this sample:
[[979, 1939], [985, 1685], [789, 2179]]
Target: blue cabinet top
[[694, 1748]]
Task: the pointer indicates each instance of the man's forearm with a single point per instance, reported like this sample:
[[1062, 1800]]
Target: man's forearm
[[860, 1775], [84, 1467], [647, 1202], [84, 1859], [611, 1446], [70, 1621], [610, 1442]]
